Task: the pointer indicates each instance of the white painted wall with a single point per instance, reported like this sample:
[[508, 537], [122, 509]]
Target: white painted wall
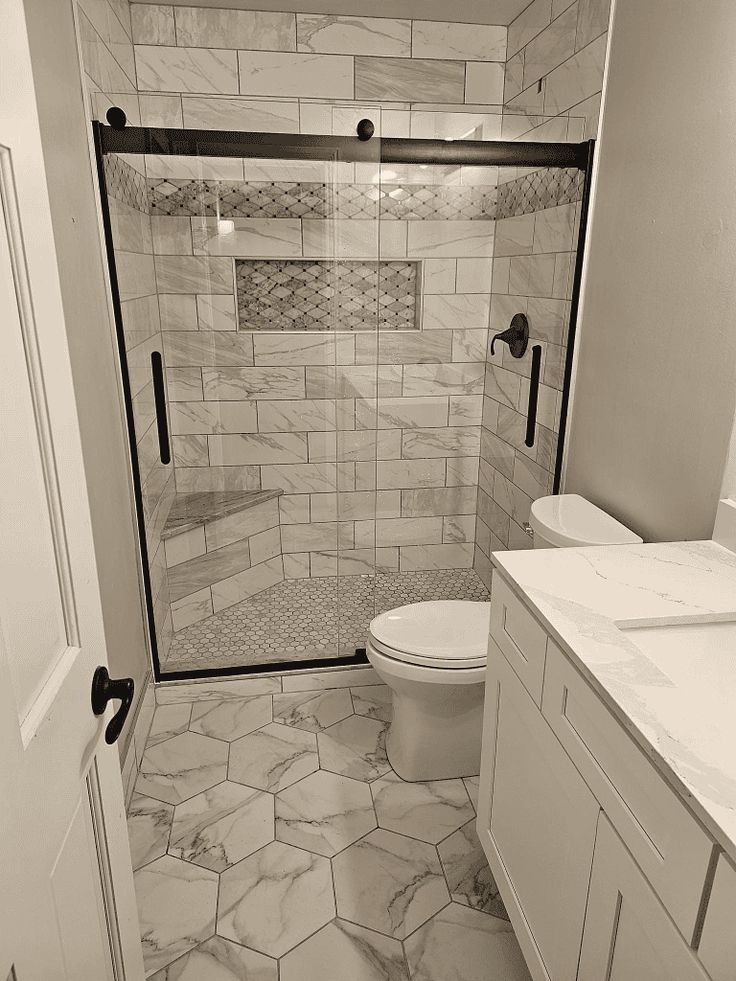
[[656, 382]]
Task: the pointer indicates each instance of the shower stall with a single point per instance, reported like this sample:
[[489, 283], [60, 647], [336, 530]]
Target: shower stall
[[319, 428]]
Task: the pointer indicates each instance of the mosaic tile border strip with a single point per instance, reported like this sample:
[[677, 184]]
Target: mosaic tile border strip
[[316, 294], [543, 189], [124, 183], [292, 199]]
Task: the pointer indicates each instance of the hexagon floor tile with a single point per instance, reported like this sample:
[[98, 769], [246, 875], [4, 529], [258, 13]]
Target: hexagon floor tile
[[181, 767], [177, 905], [230, 718], [221, 826], [429, 811], [343, 951], [373, 701], [467, 945], [355, 747], [324, 813], [276, 898], [220, 960], [389, 883], [168, 721], [273, 757], [469, 878], [149, 824], [312, 710]]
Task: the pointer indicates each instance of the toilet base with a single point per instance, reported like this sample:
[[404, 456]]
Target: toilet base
[[436, 730]]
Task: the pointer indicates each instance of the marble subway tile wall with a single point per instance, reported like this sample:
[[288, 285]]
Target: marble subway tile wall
[[373, 437], [553, 80]]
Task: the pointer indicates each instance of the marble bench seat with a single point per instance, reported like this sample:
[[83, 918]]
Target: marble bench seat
[[221, 547]]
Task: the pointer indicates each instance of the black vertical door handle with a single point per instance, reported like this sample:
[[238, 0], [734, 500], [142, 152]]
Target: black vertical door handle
[[105, 689], [531, 417], [159, 398]]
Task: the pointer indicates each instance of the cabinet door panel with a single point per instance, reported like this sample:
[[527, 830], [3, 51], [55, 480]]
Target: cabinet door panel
[[519, 636], [628, 934], [543, 821]]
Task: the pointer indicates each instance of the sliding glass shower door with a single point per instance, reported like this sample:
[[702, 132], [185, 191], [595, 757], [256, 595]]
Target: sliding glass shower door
[[249, 294]]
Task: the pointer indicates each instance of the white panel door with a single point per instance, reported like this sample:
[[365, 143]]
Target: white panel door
[[628, 934], [66, 893]]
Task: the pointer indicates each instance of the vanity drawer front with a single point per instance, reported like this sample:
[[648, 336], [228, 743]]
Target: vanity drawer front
[[717, 948], [669, 845], [520, 637]]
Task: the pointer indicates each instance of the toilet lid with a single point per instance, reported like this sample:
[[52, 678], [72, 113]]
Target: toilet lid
[[445, 633]]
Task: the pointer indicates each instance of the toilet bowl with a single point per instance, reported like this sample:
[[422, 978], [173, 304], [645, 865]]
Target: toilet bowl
[[433, 658], [433, 655]]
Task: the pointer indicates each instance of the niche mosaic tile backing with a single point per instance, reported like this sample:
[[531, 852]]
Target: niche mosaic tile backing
[[275, 294]]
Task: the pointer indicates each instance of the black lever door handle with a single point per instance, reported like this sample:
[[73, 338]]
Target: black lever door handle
[[104, 689], [516, 336]]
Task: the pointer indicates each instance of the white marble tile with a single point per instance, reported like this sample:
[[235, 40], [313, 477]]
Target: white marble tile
[[577, 79], [469, 878], [188, 545], [331, 34], [216, 312], [408, 531], [169, 694], [168, 721], [232, 449], [276, 898], [445, 442], [220, 960], [469, 945], [253, 237], [178, 311], [176, 908], [181, 167], [294, 349], [241, 524], [462, 42], [460, 310], [194, 274], [343, 678], [400, 474], [340, 238], [415, 558], [265, 545], [389, 883], [305, 75], [409, 80], [474, 276], [247, 583], [229, 28], [433, 238], [273, 757], [229, 719], [373, 701], [240, 114], [324, 813], [201, 70], [149, 825], [354, 748], [554, 229], [344, 950], [449, 379], [181, 767], [192, 608], [528, 24], [300, 478], [153, 24], [438, 276], [428, 811], [160, 110], [312, 710], [253, 383], [222, 825]]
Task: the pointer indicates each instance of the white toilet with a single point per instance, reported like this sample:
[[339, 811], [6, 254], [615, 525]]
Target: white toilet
[[433, 655]]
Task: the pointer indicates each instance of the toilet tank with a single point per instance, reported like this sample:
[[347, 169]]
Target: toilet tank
[[568, 520]]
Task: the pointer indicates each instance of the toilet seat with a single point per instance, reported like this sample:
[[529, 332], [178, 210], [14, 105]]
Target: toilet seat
[[446, 634]]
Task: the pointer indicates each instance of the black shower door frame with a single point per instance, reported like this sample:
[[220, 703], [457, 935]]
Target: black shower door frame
[[285, 146]]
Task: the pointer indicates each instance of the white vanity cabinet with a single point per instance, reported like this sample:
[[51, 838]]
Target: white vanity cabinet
[[603, 868]]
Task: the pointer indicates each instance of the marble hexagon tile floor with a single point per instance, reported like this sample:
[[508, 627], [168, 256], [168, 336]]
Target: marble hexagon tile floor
[[272, 841]]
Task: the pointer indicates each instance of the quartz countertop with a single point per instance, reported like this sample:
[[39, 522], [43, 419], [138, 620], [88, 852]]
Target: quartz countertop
[[685, 721]]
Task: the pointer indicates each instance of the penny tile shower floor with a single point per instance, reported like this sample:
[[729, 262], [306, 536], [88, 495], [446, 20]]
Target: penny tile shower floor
[[310, 618], [272, 841]]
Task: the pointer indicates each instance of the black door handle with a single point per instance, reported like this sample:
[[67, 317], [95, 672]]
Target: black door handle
[[516, 336], [104, 689]]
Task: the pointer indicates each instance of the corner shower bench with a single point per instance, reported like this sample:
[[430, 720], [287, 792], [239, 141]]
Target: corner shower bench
[[221, 548]]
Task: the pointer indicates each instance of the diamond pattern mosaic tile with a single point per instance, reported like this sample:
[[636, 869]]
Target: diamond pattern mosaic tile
[[124, 183], [435, 202], [310, 618], [542, 189], [290, 199], [274, 294]]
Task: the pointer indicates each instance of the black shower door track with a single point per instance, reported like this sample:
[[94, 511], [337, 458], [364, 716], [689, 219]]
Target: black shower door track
[[295, 146]]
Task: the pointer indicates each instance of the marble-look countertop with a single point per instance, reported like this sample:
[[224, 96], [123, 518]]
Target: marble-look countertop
[[684, 720]]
